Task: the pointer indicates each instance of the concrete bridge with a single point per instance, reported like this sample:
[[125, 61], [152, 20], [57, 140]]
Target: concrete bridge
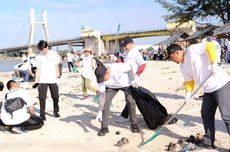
[[91, 40]]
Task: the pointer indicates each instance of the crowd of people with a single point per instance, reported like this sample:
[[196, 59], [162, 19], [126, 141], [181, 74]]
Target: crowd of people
[[197, 62]]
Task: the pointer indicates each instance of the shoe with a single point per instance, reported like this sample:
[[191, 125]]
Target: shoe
[[56, 114], [85, 97], [203, 145], [134, 128], [103, 131], [121, 119], [18, 130], [5, 128]]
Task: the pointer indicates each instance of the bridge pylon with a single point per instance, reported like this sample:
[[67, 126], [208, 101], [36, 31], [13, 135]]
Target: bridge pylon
[[33, 23]]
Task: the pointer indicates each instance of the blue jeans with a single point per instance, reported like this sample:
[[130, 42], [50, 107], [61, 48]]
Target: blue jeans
[[25, 75], [228, 57]]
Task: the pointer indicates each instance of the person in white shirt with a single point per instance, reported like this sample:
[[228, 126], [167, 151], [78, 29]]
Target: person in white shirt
[[46, 76], [25, 117], [87, 63], [132, 56], [25, 70], [117, 78], [196, 64], [70, 60]]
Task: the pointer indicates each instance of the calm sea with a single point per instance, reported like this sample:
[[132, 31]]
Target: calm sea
[[8, 65]]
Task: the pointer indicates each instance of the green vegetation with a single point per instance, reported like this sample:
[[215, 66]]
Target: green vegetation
[[185, 10]]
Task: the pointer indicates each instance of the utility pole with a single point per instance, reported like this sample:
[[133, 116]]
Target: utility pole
[[115, 44]]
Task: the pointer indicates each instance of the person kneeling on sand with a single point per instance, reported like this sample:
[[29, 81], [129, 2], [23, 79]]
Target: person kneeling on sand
[[21, 119]]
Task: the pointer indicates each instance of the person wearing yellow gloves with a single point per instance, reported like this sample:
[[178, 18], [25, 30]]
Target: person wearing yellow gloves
[[197, 62]]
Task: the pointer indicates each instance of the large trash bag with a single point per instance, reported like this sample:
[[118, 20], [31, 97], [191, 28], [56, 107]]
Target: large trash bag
[[153, 112]]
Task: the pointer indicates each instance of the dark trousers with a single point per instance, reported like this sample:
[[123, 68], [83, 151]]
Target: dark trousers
[[34, 122], [125, 111], [219, 98], [110, 93], [42, 92], [60, 68], [70, 65]]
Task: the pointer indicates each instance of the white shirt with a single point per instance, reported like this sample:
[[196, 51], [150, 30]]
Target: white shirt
[[25, 66], [20, 115], [135, 58], [47, 65], [196, 66], [119, 76], [87, 67], [70, 57]]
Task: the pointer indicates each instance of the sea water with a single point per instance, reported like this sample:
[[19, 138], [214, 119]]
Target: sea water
[[8, 65]]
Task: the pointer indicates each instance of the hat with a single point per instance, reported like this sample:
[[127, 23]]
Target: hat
[[170, 49], [87, 50], [100, 73], [126, 40]]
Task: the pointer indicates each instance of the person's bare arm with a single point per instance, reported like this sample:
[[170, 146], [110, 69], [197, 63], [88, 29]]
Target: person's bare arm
[[31, 110], [57, 70]]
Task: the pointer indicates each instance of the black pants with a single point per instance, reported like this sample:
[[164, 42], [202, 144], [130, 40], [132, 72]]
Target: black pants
[[219, 98], [42, 92], [70, 65], [125, 111], [60, 68], [34, 122]]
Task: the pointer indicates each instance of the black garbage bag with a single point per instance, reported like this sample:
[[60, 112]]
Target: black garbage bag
[[153, 112]]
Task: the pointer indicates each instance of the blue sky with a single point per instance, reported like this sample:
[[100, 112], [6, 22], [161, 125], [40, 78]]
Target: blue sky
[[65, 18]]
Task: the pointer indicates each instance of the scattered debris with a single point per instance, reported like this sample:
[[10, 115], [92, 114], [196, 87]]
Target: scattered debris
[[188, 144], [122, 142], [118, 133], [171, 147]]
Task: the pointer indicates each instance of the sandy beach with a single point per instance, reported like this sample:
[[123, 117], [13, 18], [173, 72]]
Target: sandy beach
[[76, 129]]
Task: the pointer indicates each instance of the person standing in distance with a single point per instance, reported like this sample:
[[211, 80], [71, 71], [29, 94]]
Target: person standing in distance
[[46, 75]]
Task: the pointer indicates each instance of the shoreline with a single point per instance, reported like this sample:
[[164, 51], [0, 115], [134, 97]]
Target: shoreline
[[7, 58]]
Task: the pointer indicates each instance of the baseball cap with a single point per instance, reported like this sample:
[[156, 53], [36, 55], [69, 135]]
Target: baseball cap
[[126, 40], [100, 73], [170, 49], [209, 33]]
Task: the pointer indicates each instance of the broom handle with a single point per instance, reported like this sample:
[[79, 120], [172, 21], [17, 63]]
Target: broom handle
[[194, 92]]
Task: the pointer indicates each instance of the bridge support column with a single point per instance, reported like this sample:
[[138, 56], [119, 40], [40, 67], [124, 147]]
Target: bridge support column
[[32, 28]]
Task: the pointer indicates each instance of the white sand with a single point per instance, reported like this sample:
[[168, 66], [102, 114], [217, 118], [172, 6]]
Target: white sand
[[76, 130]]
